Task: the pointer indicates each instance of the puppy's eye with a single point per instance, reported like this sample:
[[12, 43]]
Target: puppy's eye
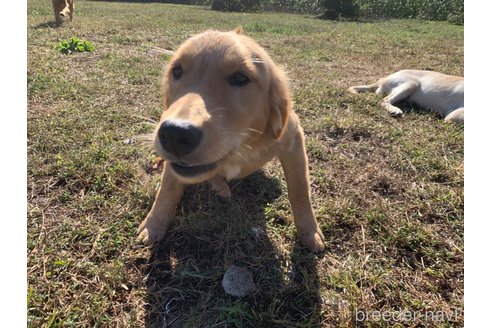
[[177, 72], [238, 79]]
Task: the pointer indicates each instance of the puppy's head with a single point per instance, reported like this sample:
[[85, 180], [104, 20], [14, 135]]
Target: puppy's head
[[221, 92]]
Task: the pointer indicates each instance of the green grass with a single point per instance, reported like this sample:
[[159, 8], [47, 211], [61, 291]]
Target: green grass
[[388, 192]]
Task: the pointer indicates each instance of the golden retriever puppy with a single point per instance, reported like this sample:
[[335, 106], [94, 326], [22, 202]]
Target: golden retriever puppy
[[227, 112], [439, 92], [63, 8]]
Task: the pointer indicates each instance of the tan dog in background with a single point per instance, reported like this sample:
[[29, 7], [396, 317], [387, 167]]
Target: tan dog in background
[[228, 111], [63, 8], [439, 92]]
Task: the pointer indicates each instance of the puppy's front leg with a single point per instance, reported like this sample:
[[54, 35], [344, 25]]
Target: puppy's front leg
[[295, 165], [155, 225]]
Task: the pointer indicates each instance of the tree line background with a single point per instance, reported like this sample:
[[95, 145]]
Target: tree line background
[[450, 10]]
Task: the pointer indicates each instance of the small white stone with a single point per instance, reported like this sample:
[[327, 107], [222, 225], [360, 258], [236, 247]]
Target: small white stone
[[238, 281]]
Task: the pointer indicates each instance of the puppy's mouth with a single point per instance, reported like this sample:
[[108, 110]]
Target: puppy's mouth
[[196, 171], [192, 170]]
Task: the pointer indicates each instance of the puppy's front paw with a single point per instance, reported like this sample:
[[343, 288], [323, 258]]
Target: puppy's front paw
[[313, 240], [150, 231], [220, 186]]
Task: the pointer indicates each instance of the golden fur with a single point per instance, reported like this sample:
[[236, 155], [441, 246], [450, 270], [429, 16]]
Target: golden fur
[[242, 126], [63, 8]]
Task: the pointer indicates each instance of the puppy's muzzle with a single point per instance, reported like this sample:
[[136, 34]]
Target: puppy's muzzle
[[179, 137]]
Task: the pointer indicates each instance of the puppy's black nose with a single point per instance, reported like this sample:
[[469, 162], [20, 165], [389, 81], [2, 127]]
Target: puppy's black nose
[[179, 137]]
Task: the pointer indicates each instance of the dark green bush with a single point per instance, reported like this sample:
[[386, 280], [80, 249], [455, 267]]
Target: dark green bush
[[294, 6], [335, 9], [456, 14], [451, 10], [237, 5]]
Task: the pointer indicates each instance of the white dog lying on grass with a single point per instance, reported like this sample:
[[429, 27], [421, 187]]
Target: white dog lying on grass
[[439, 92]]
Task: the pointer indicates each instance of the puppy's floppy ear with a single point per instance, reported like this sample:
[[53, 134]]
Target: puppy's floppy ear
[[280, 103], [238, 30]]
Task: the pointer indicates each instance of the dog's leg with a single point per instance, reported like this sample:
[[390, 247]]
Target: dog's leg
[[295, 165], [457, 116], [57, 16], [155, 225], [399, 93], [70, 6]]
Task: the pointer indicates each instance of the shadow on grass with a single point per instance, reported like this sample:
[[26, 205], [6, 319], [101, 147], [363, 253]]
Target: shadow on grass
[[410, 108], [185, 271], [51, 24]]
